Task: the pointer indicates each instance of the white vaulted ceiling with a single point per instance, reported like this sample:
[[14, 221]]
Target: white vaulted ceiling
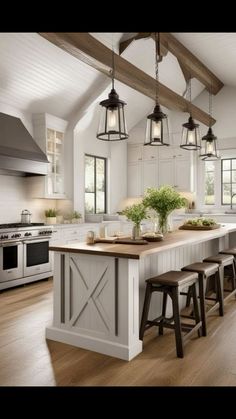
[[36, 76]]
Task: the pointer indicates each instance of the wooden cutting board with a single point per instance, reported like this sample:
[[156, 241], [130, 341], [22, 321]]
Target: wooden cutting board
[[189, 227]]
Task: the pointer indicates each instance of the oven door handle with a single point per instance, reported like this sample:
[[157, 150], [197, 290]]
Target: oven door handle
[[36, 241], [11, 244]]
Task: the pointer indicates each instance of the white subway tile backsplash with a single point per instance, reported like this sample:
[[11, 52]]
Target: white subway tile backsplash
[[13, 199]]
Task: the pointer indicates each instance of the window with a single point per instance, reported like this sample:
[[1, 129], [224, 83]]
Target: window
[[95, 185], [228, 180], [209, 183]]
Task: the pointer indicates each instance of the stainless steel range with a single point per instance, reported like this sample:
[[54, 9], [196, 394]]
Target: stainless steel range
[[24, 254]]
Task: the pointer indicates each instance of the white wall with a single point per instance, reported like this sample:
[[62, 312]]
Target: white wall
[[85, 142]]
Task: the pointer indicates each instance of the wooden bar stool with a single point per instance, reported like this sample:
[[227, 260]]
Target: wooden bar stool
[[206, 270], [170, 283], [224, 260], [231, 251]]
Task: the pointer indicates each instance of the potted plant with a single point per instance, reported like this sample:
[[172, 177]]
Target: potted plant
[[163, 200], [76, 217], [51, 216], [135, 213]]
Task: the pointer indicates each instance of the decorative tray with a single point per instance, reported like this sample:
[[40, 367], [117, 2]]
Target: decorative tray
[[153, 239], [189, 227]]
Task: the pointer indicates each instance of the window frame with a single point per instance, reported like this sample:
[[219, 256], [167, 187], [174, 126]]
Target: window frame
[[226, 154], [95, 184], [230, 170]]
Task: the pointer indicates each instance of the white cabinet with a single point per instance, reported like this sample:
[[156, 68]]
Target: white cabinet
[[49, 134], [175, 168], [142, 169]]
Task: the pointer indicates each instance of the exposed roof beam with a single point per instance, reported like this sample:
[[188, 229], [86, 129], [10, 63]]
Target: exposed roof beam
[[141, 35], [188, 61], [88, 49]]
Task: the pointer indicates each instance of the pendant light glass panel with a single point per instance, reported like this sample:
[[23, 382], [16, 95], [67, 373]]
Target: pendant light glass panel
[[209, 150], [112, 124], [190, 135], [157, 130]]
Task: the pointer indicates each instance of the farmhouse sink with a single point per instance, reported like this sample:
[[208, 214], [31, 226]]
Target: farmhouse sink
[[230, 211]]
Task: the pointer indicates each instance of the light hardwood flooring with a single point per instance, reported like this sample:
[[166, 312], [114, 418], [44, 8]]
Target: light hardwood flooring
[[27, 359]]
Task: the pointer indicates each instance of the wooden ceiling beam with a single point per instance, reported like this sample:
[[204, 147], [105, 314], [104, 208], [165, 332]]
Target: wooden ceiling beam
[[189, 62], [88, 49]]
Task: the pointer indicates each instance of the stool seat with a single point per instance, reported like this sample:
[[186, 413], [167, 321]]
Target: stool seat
[[173, 278], [205, 268], [231, 251], [221, 259]]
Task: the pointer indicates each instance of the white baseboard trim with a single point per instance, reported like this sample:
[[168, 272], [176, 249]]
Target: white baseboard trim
[[93, 344]]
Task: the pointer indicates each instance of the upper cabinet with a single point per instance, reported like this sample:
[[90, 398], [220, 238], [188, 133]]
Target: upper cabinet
[[157, 166], [49, 133]]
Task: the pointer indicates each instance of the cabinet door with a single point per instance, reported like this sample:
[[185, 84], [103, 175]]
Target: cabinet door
[[166, 172], [134, 180], [149, 175], [134, 153], [182, 175]]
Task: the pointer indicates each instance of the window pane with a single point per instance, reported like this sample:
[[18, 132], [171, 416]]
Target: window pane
[[89, 174], [226, 193], [226, 164], [233, 164], [100, 175], [89, 203], [226, 177], [233, 175], [209, 188], [100, 202]]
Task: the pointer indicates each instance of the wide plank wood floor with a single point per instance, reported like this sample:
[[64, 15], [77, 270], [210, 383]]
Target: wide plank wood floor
[[27, 359]]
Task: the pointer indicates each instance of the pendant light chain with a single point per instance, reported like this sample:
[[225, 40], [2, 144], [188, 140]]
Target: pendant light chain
[[210, 108], [113, 62], [157, 45]]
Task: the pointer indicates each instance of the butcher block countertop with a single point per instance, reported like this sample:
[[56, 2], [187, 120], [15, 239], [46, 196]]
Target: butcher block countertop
[[177, 238]]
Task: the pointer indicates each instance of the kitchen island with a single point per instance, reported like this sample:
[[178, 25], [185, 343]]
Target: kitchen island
[[99, 289]]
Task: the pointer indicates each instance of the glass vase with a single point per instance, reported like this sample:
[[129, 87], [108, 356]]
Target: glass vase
[[136, 232], [163, 223]]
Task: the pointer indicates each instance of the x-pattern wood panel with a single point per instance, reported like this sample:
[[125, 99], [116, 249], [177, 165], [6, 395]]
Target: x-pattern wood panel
[[93, 288]]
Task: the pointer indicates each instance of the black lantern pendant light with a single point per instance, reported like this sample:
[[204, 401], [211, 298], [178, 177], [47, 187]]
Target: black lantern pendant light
[[190, 132], [112, 125], [209, 149], [157, 131]]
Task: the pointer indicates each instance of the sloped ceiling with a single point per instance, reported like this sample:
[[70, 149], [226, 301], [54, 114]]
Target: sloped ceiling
[[36, 76]]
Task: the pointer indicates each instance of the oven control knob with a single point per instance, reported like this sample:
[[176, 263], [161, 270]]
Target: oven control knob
[[5, 237], [28, 234]]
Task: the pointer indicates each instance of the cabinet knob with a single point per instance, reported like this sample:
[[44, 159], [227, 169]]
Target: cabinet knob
[[139, 158]]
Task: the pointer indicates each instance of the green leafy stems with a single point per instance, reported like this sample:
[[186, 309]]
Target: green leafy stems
[[163, 200], [136, 213], [51, 212]]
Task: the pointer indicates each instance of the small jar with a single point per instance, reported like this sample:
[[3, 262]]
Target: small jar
[[90, 237]]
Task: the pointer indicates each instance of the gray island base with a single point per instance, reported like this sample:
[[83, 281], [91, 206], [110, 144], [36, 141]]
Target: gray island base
[[99, 289]]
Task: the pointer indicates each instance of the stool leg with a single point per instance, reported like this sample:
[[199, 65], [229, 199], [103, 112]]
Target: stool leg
[[176, 314], [219, 283], [164, 303], [202, 303], [188, 300], [146, 306], [195, 308], [233, 276]]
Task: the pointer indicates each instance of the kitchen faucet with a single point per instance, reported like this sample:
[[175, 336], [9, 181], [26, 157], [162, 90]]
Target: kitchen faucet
[[231, 205]]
